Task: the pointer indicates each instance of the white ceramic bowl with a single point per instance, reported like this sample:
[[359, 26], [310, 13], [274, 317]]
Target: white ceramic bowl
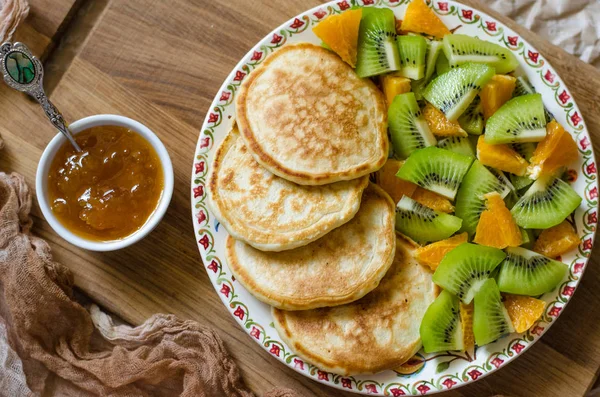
[[41, 183]]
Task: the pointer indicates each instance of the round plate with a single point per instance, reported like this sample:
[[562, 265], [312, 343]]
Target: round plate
[[431, 373]]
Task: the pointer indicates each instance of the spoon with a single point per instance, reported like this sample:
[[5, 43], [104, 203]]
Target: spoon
[[24, 72]]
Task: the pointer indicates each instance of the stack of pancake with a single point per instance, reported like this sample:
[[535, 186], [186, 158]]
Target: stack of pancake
[[308, 233]]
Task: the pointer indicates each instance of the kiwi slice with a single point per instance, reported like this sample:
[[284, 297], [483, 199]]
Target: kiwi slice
[[453, 91], [525, 149], [464, 269], [545, 204], [458, 144], [460, 48], [377, 51], [520, 182], [528, 238], [408, 129], [433, 51], [523, 87], [436, 169], [412, 50], [422, 224], [441, 328], [490, 318], [505, 185], [525, 272], [472, 119], [441, 64], [417, 87], [521, 119], [470, 202]]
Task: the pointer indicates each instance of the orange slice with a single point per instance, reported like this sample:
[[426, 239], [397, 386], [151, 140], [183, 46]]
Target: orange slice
[[432, 200], [496, 227], [557, 240], [394, 85], [394, 186], [432, 254], [439, 124], [556, 150], [523, 311], [466, 319], [502, 157], [496, 93], [419, 18], [340, 33]]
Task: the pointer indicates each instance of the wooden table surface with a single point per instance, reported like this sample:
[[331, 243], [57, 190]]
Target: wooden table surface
[[161, 62]]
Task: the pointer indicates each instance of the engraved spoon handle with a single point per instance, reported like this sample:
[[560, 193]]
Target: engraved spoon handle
[[24, 72]]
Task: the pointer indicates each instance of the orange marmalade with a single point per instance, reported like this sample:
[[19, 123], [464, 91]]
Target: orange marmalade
[[109, 189]]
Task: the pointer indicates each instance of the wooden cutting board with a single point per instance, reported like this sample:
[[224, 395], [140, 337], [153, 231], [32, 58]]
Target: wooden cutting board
[[162, 63]]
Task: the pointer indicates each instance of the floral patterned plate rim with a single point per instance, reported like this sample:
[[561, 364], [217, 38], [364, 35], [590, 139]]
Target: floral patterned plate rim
[[430, 373]]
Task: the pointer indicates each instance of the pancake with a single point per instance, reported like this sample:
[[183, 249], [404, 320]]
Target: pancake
[[306, 116], [338, 268], [269, 212], [375, 333]]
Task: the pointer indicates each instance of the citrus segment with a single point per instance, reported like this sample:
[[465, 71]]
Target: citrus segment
[[556, 150], [394, 186], [501, 157], [466, 319], [419, 18], [439, 124], [432, 200], [340, 33], [496, 93], [557, 240], [523, 311], [496, 227], [432, 254], [394, 85]]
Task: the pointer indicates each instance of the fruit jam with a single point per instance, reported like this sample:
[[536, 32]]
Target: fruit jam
[[109, 189]]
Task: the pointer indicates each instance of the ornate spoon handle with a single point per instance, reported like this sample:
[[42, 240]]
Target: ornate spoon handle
[[24, 72]]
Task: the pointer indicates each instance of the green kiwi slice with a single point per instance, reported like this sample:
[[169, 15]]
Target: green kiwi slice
[[464, 269], [408, 129], [412, 50], [417, 87], [458, 144], [490, 318], [460, 48], [422, 224], [453, 91], [520, 182], [470, 202], [525, 149], [472, 119], [506, 187], [441, 328], [523, 87], [524, 272], [433, 52], [521, 119], [441, 64], [377, 51], [436, 169], [546, 203]]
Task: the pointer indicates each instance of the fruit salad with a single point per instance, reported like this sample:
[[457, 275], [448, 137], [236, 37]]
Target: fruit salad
[[476, 169]]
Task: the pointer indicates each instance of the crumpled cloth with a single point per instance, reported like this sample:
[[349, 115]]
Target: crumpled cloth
[[573, 25], [12, 12], [51, 345]]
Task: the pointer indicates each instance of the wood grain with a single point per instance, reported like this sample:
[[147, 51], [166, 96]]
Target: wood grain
[[162, 63]]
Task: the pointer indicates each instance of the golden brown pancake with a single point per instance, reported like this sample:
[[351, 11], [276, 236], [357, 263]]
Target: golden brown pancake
[[338, 268], [271, 213], [378, 332], [306, 116]]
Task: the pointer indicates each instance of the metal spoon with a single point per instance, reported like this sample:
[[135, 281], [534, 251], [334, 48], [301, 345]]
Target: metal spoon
[[24, 72]]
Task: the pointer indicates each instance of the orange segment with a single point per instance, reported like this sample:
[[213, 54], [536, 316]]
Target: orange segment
[[394, 85], [340, 33], [419, 18], [439, 124], [466, 319], [556, 150], [557, 240], [523, 311], [432, 200], [496, 227], [502, 157], [394, 186], [496, 93], [432, 254]]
